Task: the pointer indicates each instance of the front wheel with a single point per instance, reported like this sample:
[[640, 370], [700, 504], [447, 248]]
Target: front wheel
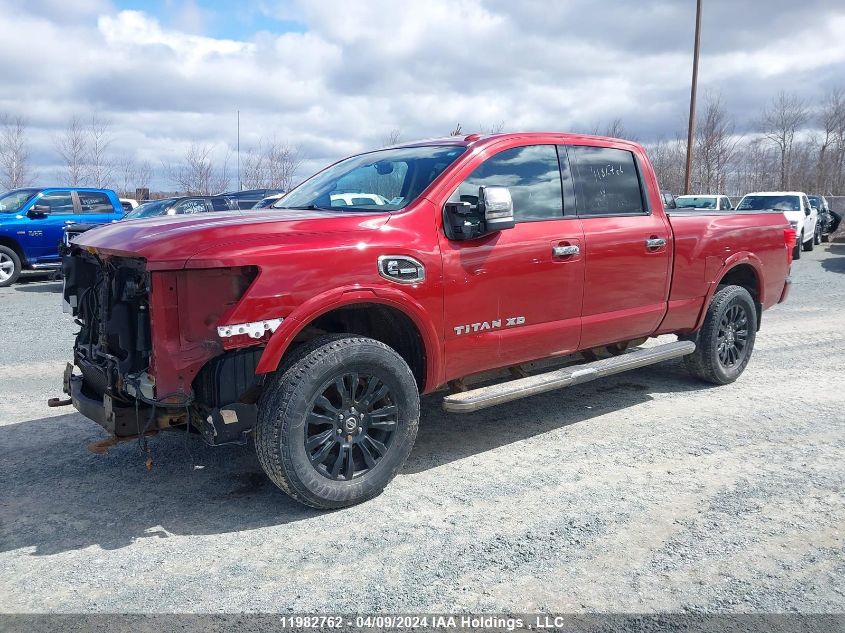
[[725, 341], [337, 423], [10, 266]]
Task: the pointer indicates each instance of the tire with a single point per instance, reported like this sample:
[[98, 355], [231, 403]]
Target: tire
[[809, 244], [825, 237], [305, 402], [817, 235], [712, 363], [10, 266], [796, 250]]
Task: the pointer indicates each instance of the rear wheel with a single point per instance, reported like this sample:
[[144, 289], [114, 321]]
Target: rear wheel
[[817, 236], [825, 237], [726, 340], [338, 422], [10, 266]]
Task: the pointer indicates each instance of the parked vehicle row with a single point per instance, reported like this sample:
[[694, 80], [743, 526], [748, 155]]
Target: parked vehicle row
[[32, 222], [810, 216], [315, 325], [828, 219]]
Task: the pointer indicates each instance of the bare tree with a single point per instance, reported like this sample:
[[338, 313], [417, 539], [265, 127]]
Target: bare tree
[[197, 172], [780, 120], [391, 138], [143, 175], [132, 176], [616, 129], [715, 146], [273, 165], [493, 128], [667, 158], [72, 146], [831, 145], [100, 164], [14, 153]]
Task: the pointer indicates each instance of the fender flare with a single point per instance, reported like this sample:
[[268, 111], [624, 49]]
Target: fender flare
[[730, 263], [297, 320]]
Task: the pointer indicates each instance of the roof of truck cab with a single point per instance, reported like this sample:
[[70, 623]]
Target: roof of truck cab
[[485, 139]]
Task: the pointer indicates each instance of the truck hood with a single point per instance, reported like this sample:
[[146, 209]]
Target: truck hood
[[168, 242]]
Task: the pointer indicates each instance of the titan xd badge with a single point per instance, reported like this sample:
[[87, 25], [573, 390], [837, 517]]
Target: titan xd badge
[[489, 325]]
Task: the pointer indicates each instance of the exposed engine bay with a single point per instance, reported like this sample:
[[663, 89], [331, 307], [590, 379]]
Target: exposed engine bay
[[112, 301]]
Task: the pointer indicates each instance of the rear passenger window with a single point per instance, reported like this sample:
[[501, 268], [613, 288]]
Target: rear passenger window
[[530, 173], [93, 202], [606, 181], [190, 206]]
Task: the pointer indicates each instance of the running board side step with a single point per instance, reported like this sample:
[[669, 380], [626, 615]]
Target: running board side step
[[483, 397]]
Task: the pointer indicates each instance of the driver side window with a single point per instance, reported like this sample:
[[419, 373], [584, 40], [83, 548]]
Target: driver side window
[[531, 174], [60, 202]]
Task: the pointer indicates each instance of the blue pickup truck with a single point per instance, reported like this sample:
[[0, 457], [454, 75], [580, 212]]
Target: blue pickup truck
[[32, 222]]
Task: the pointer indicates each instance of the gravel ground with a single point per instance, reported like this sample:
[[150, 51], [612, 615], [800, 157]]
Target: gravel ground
[[641, 493]]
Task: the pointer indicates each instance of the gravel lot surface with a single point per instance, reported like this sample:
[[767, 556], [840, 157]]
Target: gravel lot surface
[[645, 492]]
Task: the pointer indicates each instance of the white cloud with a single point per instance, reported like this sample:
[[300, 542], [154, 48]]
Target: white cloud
[[364, 68]]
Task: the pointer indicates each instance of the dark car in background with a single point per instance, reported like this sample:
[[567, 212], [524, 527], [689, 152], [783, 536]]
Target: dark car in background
[[828, 219], [248, 198], [183, 205]]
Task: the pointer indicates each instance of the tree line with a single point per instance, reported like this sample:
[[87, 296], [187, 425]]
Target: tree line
[[793, 145], [88, 158]]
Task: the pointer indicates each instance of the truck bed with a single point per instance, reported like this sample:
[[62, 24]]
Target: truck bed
[[708, 242]]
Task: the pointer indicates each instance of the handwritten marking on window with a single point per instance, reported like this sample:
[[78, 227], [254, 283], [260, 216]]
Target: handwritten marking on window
[[600, 173]]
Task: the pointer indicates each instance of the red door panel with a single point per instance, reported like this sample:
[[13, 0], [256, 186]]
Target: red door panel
[[627, 280], [509, 298]]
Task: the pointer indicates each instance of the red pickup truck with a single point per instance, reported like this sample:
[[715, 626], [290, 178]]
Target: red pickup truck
[[314, 325]]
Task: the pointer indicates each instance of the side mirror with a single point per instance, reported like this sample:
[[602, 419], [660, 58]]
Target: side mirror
[[467, 221], [496, 205], [807, 211], [38, 211]]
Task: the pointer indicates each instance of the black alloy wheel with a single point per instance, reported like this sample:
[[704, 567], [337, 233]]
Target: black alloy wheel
[[350, 426], [733, 336]]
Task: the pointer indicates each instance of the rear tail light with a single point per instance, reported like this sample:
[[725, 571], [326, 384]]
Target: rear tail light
[[789, 237]]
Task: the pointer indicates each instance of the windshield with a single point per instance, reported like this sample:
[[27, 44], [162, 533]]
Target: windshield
[[385, 180], [774, 203], [149, 209], [16, 200], [696, 202]]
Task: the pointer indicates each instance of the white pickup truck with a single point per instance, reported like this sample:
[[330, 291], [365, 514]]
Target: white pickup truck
[[706, 201], [797, 209]]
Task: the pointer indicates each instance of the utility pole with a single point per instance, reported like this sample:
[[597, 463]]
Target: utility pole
[[239, 150], [691, 129]]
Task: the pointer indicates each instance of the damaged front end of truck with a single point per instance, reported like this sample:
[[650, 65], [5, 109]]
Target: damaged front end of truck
[[130, 387]]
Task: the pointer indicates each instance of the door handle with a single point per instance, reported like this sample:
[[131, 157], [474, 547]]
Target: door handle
[[565, 251], [655, 242]]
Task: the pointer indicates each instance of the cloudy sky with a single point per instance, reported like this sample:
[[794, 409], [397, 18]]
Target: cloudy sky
[[334, 77]]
